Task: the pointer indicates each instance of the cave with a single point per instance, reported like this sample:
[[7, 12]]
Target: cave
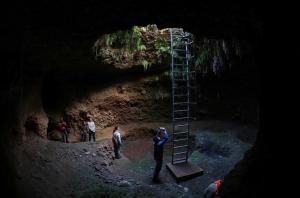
[[110, 62]]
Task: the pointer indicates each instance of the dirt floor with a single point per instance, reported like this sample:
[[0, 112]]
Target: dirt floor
[[48, 168]]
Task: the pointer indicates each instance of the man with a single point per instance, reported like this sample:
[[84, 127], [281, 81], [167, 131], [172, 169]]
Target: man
[[84, 131], [213, 189], [117, 142], [159, 140], [62, 127], [91, 129]]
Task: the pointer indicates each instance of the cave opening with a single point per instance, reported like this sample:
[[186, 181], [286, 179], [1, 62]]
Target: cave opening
[[115, 69], [129, 85]]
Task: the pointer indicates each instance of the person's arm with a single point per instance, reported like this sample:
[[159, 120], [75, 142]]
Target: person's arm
[[119, 138], [94, 126], [164, 139]]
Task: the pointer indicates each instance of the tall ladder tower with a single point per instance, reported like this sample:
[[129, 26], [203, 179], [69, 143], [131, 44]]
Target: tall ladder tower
[[183, 102]]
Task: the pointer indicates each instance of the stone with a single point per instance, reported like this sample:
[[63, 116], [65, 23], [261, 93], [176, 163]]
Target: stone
[[143, 92], [124, 183], [54, 135]]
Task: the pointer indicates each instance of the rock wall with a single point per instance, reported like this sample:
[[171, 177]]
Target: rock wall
[[146, 98]]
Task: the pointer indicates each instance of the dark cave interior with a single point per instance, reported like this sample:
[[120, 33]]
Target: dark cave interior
[[50, 52]]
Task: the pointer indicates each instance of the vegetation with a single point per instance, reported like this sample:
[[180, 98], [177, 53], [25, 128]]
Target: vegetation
[[212, 55], [148, 45], [137, 46]]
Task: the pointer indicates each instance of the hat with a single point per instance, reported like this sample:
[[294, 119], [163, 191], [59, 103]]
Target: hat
[[162, 129]]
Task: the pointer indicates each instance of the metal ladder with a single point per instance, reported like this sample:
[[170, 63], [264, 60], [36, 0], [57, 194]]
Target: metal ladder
[[183, 90]]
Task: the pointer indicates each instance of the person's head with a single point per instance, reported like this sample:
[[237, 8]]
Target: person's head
[[116, 128], [218, 181], [161, 131], [61, 119]]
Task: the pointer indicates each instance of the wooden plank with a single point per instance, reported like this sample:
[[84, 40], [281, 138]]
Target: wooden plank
[[184, 171]]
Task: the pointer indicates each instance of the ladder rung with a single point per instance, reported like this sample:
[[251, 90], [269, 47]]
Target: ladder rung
[[180, 80], [181, 125], [179, 140], [179, 161], [183, 57], [181, 50], [182, 118], [182, 95], [191, 87], [182, 103], [180, 153], [181, 110], [175, 147], [178, 103], [180, 64], [180, 133], [183, 72]]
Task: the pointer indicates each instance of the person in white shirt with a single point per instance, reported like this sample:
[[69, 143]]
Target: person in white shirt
[[92, 129], [117, 142]]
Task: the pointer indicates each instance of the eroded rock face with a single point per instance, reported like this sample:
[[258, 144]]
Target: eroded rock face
[[144, 99], [37, 123], [247, 178]]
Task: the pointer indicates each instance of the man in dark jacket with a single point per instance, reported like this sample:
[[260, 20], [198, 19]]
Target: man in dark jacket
[[159, 140]]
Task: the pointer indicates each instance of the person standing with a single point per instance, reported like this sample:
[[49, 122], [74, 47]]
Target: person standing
[[159, 140], [117, 142], [84, 131], [91, 129], [62, 127]]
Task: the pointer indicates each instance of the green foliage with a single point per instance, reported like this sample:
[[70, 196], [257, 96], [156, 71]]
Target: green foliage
[[202, 57], [139, 45], [146, 64], [136, 31], [161, 47]]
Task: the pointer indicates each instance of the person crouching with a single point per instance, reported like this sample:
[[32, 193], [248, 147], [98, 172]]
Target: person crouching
[[212, 190]]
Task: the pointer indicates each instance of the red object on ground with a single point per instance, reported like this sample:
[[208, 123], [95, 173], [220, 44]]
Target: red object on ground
[[218, 184]]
